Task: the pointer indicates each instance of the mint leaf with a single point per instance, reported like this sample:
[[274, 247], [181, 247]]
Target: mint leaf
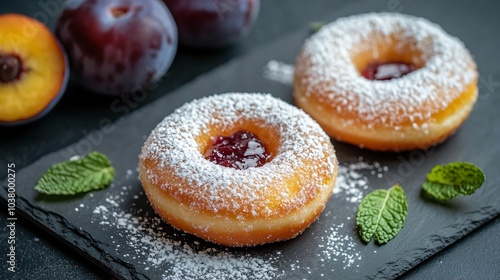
[[316, 26], [91, 172], [453, 179], [382, 214]]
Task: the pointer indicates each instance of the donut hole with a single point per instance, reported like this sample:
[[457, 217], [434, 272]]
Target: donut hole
[[267, 135], [391, 50]]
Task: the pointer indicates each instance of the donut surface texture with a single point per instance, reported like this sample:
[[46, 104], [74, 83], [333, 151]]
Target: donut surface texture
[[414, 111], [229, 206]]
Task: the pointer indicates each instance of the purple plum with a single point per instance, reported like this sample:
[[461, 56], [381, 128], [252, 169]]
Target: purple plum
[[213, 23], [116, 45]]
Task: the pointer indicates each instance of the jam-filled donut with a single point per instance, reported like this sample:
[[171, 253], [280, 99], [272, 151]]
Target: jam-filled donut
[[386, 81], [238, 169]]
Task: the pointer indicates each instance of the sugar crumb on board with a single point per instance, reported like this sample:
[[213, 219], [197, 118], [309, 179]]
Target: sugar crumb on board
[[278, 71]]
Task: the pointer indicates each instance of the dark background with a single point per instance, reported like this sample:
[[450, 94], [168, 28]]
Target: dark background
[[41, 257]]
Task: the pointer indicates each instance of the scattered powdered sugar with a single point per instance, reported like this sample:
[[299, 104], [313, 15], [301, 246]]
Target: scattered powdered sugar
[[168, 251], [337, 242], [279, 72], [157, 248], [338, 247], [328, 73], [351, 181], [129, 173]]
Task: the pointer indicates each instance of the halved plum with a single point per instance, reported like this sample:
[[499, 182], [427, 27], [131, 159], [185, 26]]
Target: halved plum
[[33, 70]]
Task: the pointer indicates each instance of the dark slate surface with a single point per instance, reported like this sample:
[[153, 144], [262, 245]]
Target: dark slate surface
[[420, 238]]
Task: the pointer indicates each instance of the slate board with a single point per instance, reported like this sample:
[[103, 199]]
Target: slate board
[[429, 227]]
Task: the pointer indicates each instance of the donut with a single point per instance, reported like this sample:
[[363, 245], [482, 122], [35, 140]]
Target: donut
[[272, 194], [385, 81]]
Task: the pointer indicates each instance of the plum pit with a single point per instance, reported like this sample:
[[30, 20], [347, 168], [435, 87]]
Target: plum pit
[[241, 150], [10, 68]]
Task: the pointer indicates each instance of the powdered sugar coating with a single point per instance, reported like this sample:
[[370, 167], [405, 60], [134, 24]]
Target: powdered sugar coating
[[326, 70], [210, 187]]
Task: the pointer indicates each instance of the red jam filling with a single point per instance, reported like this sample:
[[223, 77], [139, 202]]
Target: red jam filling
[[240, 150], [387, 71]]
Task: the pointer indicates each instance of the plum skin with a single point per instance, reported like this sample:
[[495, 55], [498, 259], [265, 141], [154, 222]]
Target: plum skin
[[213, 23], [116, 45]]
